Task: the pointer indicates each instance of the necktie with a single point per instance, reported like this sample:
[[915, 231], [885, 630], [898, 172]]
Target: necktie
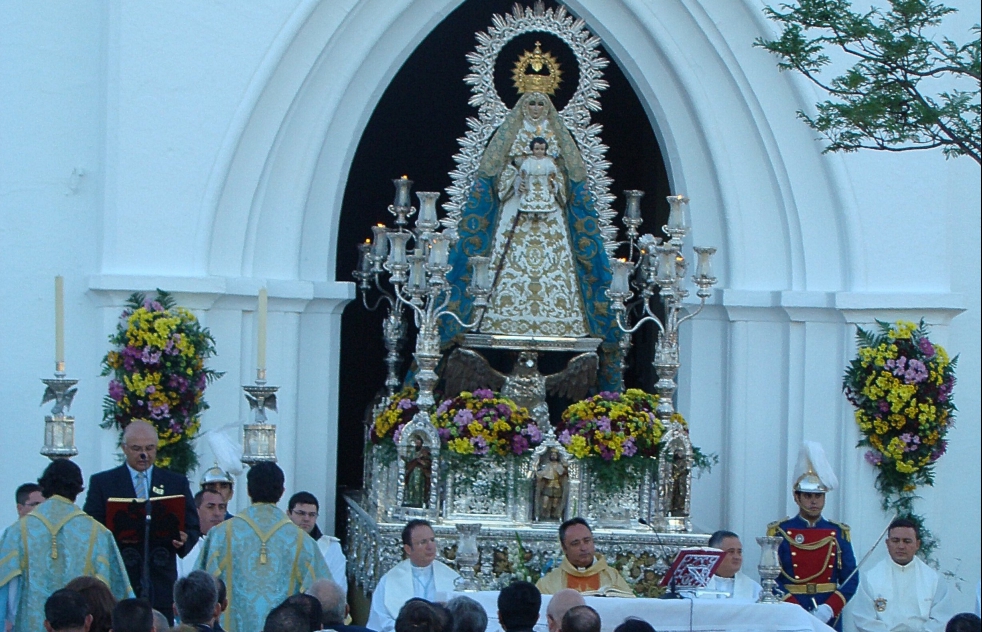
[[141, 484]]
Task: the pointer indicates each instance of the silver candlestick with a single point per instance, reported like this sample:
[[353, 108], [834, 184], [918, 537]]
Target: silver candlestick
[[259, 437], [769, 568], [468, 556], [59, 428]]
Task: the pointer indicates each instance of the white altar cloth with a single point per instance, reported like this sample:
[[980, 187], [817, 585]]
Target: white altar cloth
[[680, 615]]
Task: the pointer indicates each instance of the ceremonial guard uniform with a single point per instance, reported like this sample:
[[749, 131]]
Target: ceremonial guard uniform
[[814, 559], [817, 560]]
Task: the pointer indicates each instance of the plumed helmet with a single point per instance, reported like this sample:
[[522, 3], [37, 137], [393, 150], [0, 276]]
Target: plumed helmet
[[813, 473], [215, 474]]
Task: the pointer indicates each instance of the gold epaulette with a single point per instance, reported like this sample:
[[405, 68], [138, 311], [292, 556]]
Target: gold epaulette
[[845, 530], [773, 527]]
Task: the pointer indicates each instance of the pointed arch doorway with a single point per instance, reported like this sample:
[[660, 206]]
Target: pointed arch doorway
[[413, 131]]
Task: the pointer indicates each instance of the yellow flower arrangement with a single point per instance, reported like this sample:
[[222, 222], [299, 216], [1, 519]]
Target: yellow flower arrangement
[[901, 385], [159, 375]]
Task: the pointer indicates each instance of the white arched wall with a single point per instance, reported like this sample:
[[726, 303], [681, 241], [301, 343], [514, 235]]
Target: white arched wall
[[761, 365], [749, 178]]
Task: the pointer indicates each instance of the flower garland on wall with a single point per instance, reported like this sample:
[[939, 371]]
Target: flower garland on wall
[[901, 385], [159, 375]]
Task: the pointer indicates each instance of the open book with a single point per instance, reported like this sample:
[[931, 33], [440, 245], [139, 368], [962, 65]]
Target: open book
[[126, 518], [693, 568], [608, 591]]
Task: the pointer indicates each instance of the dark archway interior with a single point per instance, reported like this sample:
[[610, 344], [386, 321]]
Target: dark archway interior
[[413, 131]]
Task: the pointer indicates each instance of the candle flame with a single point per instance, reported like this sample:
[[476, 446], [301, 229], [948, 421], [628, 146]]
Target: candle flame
[[405, 177]]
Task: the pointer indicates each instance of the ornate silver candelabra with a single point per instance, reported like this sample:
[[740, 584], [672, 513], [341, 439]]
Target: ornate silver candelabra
[[259, 437], [769, 568], [417, 261], [657, 270], [59, 427]]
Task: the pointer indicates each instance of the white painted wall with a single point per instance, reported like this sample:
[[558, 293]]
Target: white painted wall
[[204, 147]]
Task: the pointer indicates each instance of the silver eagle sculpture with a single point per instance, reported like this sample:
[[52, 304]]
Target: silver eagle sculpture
[[57, 392], [525, 385]]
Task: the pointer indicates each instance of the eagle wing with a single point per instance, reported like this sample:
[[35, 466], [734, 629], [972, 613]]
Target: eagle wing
[[576, 380], [468, 370]]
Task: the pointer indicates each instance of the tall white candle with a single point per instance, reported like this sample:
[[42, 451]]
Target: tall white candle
[[261, 342], [59, 320]]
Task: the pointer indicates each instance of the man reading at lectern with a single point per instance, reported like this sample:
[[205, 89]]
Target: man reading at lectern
[[139, 478], [583, 569]]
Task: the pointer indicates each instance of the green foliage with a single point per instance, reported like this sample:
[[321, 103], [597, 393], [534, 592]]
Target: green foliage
[[904, 91]]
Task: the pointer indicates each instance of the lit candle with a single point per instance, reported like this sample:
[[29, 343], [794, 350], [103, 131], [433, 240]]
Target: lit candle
[[380, 245], [397, 247], [403, 185], [261, 343], [364, 258], [59, 322], [622, 272], [633, 210], [439, 251]]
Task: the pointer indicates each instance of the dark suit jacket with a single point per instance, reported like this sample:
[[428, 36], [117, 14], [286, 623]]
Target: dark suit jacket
[[116, 483], [348, 628]]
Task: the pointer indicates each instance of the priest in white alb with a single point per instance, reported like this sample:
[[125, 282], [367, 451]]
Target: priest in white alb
[[728, 582], [419, 575], [902, 593]]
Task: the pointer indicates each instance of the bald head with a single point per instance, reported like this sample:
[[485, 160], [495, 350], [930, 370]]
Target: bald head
[[140, 445], [560, 603], [160, 623], [333, 604]]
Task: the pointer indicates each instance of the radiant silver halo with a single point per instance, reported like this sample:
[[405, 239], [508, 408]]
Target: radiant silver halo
[[576, 114]]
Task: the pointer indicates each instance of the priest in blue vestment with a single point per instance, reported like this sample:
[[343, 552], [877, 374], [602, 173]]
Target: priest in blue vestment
[[260, 554], [53, 545]]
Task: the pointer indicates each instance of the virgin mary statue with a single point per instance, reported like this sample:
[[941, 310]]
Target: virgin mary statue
[[529, 209]]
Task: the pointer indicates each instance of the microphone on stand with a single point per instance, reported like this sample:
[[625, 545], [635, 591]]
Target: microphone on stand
[[145, 585], [672, 593]]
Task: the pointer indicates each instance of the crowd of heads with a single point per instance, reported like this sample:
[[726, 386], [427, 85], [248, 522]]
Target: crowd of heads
[[519, 605], [86, 604]]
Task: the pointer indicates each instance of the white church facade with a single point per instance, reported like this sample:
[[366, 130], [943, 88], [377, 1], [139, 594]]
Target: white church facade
[[204, 148]]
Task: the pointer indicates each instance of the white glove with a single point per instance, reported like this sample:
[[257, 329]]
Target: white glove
[[823, 613]]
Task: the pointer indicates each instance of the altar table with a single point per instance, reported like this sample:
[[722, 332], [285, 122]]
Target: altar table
[[680, 615]]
